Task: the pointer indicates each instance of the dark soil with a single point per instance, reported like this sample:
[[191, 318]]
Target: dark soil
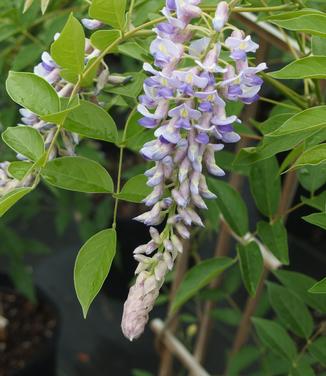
[[30, 327]]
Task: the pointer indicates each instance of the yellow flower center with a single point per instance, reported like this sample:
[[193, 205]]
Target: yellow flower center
[[243, 45], [189, 78], [184, 113], [162, 48]]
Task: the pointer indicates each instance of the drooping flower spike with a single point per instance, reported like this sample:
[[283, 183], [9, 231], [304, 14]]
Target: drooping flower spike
[[187, 108]]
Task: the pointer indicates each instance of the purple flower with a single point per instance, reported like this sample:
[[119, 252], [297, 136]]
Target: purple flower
[[184, 114], [155, 150], [187, 10], [91, 24], [165, 51], [240, 46], [191, 78]]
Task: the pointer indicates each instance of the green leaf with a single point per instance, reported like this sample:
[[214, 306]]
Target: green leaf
[[312, 177], [32, 92], [291, 157], [90, 72], [19, 169], [294, 130], [130, 90], [92, 266], [312, 156], [274, 236], [78, 174], [273, 122], [307, 67], [102, 39], [291, 310], [242, 360], [274, 365], [228, 316], [318, 46], [110, 12], [67, 105], [247, 157], [212, 216], [300, 284], [312, 119], [265, 184], [319, 287], [303, 368], [251, 265], [68, 50], [318, 350], [317, 219], [135, 190], [293, 14], [275, 338], [198, 277], [24, 140], [134, 50], [232, 206], [92, 121], [22, 277], [314, 24], [10, 199], [26, 56], [316, 202]]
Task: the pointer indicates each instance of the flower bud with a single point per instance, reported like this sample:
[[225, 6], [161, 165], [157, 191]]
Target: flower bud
[[221, 16]]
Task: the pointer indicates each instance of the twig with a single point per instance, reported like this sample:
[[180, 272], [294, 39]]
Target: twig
[[177, 348], [173, 321], [255, 9], [289, 189], [244, 327]]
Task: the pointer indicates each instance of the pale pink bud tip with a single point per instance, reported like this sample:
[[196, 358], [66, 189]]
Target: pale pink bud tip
[[221, 16]]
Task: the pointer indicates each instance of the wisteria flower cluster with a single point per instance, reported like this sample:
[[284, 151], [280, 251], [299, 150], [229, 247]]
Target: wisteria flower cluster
[[186, 104]]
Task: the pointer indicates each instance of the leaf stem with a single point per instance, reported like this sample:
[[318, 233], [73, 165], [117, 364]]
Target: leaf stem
[[60, 125], [291, 94], [286, 105], [118, 190], [256, 9], [131, 9], [310, 340]]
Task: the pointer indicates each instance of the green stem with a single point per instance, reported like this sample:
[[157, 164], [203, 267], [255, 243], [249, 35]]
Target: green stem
[[318, 91], [116, 203], [118, 190], [60, 125], [255, 9], [300, 3], [310, 340], [286, 105], [131, 9], [121, 39], [291, 94]]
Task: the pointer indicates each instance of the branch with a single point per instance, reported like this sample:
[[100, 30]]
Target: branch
[[173, 321], [177, 348]]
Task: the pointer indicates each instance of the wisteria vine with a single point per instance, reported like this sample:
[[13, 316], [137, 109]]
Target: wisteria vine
[[184, 100]]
